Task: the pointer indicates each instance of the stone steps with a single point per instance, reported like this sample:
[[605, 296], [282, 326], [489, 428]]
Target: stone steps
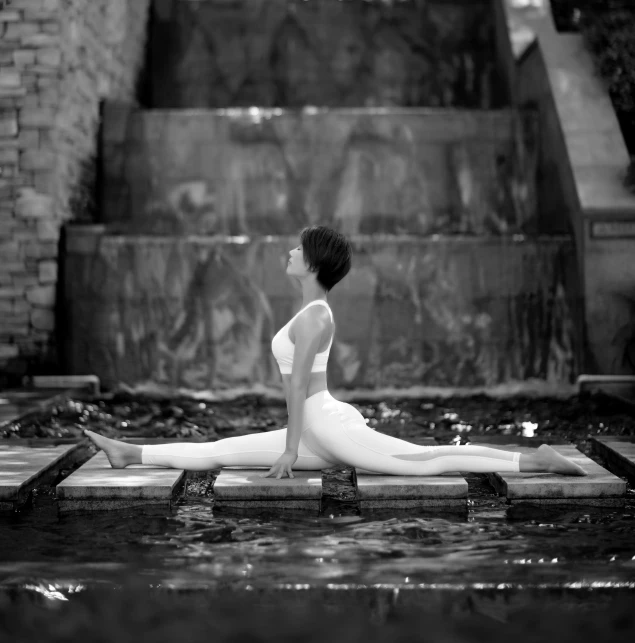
[[24, 467], [599, 488], [96, 486]]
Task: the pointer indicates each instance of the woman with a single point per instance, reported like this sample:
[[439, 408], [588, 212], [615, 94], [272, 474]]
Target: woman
[[323, 432]]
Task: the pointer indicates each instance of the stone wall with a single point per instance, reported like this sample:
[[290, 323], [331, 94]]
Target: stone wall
[[199, 312], [292, 53], [58, 60], [273, 171]]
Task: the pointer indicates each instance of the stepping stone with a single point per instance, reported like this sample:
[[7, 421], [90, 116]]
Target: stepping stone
[[23, 467], [97, 486], [244, 487], [600, 488], [619, 454], [448, 491]]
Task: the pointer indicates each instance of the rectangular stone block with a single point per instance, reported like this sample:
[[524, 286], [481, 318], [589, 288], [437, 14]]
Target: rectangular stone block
[[9, 78], [9, 156], [37, 117], [23, 57], [619, 454], [400, 492], [96, 485], [36, 160], [9, 16], [49, 57], [17, 30], [41, 295], [7, 351], [13, 92], [8, 123], [22, 468], [28, 139], [48, 230], [40, 40], [245, 487], [599, 485], [47, 271]]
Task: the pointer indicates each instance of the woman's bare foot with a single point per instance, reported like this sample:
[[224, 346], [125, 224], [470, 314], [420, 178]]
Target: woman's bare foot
[[120, 454], [556, 463]]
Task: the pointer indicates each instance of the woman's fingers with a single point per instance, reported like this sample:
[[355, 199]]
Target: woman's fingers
[[279, 470]]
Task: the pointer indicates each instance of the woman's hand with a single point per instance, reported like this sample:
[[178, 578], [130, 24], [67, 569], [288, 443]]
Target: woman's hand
[[283, 465]]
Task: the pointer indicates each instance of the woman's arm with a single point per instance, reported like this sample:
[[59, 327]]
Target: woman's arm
[[308, 334]]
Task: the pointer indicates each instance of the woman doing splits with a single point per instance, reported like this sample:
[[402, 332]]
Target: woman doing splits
[[323, 432]]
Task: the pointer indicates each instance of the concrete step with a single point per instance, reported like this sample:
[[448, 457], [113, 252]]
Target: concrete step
[[619, 454], [599, 488], [24, 467], [97, 486], [246, 488], [446, 492]]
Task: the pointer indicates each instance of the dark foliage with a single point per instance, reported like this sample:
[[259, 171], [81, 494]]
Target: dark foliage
[[609, 30]]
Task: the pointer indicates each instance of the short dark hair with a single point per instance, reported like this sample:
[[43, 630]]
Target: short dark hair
[[326, 252]]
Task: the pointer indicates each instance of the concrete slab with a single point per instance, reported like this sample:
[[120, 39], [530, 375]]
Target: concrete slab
[[448, 491], [245, 487], [97, 486], [24, 467], [599, 488], [619, 454], [401, 492]]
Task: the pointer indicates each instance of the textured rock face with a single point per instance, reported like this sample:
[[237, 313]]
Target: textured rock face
[[201, 312], [58, 60], [292, 53], [263, 171]]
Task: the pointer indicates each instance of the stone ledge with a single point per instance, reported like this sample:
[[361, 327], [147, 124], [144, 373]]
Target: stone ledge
[[23, 468], [247, 484], [565, 502], [97, 480], [67, 506], [391, 488], [535, 487], [439, 504], [313, 505], [619, 454]]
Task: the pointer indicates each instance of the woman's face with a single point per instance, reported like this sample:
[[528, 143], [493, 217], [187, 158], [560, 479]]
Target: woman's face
[[296, 267]]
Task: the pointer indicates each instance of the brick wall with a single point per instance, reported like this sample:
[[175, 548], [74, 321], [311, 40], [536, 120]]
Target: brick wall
[[58, 60]]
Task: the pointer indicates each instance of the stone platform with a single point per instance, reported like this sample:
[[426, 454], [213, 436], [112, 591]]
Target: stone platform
[[619, 454], [446, 492], [97, 486], [246, 488], [24, 467], [599, 488]]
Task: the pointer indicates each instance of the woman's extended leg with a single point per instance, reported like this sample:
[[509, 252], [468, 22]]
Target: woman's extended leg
[[338, 431], [255, 450]]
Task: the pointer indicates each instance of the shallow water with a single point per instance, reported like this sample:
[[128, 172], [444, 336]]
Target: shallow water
[[195, 545]]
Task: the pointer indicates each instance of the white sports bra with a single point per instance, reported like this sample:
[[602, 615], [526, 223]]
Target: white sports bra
[[282, 347]]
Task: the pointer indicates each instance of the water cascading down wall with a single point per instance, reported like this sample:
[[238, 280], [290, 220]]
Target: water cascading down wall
[[389, 121]]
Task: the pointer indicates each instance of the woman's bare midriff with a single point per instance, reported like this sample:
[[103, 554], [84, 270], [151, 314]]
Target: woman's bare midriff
[[317, 381]]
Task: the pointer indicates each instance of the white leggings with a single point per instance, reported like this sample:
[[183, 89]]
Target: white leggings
[[334, 433]]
